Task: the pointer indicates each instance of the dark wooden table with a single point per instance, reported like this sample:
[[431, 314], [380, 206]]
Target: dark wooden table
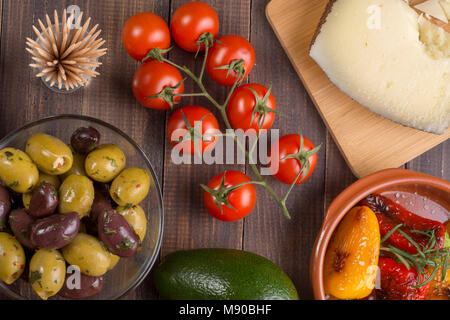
[[24, 98]]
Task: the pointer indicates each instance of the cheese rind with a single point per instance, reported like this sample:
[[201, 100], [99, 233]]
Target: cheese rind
[[433, 8], [446, 7], [372, 51]]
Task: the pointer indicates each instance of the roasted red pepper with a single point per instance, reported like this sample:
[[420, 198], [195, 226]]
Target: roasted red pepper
[[397, 282], [390, 214]]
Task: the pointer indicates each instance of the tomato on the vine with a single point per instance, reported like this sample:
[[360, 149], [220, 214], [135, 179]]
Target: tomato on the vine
[[251, 106], [143, 32], [192, 129], [293, 152], [231, 57], [230, 196], [157, 78], [191, 21]]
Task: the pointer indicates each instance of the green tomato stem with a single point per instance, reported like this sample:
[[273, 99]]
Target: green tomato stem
[[200, 77], [222, 109], [200, 94]]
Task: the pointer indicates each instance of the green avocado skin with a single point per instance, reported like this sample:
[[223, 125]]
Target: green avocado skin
[[221, 274]]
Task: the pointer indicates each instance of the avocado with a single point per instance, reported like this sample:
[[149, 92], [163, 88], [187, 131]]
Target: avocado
[[221, 274]]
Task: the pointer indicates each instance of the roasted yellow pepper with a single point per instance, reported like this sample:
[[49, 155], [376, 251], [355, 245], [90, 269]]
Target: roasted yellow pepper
[[351, 260], [440, 290]]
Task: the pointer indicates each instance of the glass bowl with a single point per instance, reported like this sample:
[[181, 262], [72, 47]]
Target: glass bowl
[[129, 272]]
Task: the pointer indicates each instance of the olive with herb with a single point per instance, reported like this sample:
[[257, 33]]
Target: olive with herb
[[20, 223], [53, 180], [76, 194], [43, 177], [88, 286], [17, 170], [44, 200], [85, 139], [130, 187], [117, 235], [12, 258], [47, 272], [101, 203], [105, 163], [87, 252], [55, 231], [50, 154], [136, 218], [16, 199], [51, 195], [5, 206], [114, 261], [77, 167], [103, 188]]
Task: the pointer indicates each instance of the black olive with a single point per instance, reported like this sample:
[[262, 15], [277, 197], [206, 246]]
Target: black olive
[[85, 139], [44, 200]]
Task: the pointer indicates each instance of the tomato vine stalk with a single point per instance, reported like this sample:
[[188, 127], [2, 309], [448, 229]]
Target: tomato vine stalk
[[236, 66]]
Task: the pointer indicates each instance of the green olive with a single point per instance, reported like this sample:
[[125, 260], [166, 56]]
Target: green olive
[[77, 166], [86, 252], [47, 272], [82, 228], [76, 194], [43, 177], [17, 170], [114, 261], [50, 154], [12, 258], [136, 218], [53, 180], [130, 187], [105, 163], [26, 199]]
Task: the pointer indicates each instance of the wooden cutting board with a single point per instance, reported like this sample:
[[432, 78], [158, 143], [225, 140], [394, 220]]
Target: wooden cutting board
[[368, 142]]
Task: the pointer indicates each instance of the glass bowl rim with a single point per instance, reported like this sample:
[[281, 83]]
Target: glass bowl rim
[[147, 270]]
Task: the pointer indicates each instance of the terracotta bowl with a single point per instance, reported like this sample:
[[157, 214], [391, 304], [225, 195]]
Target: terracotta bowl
[[420, 193]]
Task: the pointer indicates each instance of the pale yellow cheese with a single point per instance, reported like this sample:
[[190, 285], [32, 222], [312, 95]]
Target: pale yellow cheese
[[378, 53], [436, 40]]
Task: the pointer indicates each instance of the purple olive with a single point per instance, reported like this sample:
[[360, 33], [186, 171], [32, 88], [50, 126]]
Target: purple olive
[[85, 139], [55, 231], [5, 206], [116, 234], [103, 188], [44, 200], [101, 203], [16, 199], [88, 286], [20, 222]]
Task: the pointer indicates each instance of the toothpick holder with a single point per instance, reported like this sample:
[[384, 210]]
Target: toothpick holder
[[65, 53]]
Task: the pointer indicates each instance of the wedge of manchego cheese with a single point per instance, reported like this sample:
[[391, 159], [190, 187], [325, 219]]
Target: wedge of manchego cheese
[[389, 58]]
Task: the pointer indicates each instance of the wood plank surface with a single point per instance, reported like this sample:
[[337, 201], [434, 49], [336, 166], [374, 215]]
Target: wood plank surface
[[192, 226], [267, 231], [288, 243], [295, 23], [1, 16]]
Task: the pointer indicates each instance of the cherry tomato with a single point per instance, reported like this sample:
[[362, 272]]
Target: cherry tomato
[[145, 31], [245, 111], [226, 50], [288, 169], [151, 79], [242, 200], [194, 139], [192, 20]]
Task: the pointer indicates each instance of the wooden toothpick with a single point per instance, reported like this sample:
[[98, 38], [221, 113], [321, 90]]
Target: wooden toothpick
[[66, 58]]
